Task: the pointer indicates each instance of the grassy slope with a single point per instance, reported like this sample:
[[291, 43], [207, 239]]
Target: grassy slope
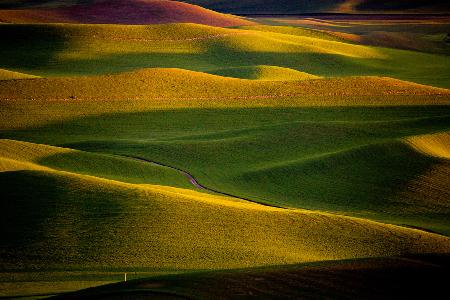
[[17, 156], [291, 153], [429, 191], [142, 85], [7, 75], [89, 223], [297, 31], [375, 278], [418, 33], [434, 145], [303, 149], [387, 181], [88, 49], [53, 99], [264, 73]]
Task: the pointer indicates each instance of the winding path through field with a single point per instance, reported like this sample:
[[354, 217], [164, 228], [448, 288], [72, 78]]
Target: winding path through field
[[194, 181], [198, 185]]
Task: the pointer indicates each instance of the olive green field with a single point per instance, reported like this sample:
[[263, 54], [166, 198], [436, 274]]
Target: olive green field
[[311, 154]]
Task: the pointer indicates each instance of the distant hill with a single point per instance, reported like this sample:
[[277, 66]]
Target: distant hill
[[14, 4], [273, 6], [113, 12], [321, 6]]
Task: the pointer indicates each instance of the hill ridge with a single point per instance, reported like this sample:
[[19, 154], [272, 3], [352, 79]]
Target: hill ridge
[[123, 12], [170, 82]]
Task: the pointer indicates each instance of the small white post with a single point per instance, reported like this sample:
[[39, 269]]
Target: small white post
[[125, 277]]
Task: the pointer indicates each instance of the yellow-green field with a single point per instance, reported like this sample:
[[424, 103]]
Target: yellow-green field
[[177, 148], [67, 49], [47, 100], [148, 226]]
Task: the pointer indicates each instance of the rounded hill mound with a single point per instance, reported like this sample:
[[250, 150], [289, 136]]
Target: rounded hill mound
[[123, 12]]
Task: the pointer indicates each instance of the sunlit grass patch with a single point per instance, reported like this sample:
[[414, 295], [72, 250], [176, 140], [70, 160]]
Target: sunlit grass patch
[[7, 75], [265, 73], [433, 144], [15, 156]]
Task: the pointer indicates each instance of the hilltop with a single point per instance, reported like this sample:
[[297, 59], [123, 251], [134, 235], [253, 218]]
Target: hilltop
[[122, 12], [324, 6], [160, 84]]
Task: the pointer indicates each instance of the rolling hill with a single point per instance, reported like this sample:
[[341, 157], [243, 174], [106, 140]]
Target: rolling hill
[[122, 12], [306, 156], [17, 156], [433, 145], [300, 166], [268, 73], [72, 49], [148, 226], [167, 84], [53, 99], [6, 75], [323, 6]]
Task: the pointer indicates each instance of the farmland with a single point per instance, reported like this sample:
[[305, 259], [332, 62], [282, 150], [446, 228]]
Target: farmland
[[205, 149]]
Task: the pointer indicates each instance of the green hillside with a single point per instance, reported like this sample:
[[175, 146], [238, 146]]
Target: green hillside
[[90, 222], [52, 50], [269, 73], [105, 166], [300, 165]]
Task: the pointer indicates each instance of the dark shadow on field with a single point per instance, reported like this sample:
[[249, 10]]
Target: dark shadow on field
[[166, 124], [314, 63], [52, 214], [21, 209], [335, 159], [399, 5], [30, 47], [328, 65], [367, 181], [409, 277], [35, 47]]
